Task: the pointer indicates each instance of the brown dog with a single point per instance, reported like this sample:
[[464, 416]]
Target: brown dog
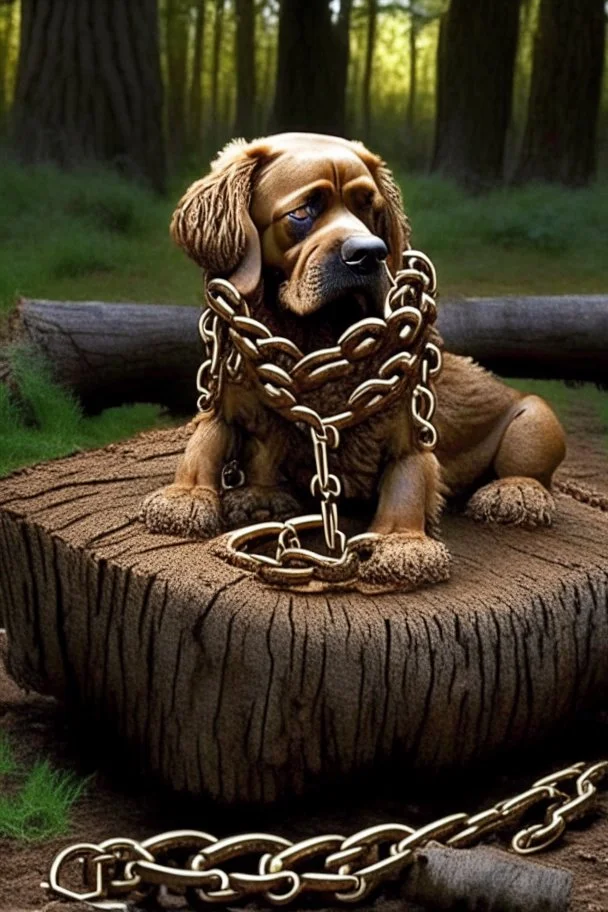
[[300, 224]]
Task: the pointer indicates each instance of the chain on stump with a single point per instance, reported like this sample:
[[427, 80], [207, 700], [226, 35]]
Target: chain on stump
[[236, 343], [345, 869]]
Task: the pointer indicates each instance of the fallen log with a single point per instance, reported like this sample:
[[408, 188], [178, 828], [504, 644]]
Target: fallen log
[[201, 675], [114, 353]]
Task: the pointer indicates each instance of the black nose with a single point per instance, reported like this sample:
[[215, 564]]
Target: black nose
[[362, 253]]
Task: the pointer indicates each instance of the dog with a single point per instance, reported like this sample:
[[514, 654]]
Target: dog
[[307, 228]]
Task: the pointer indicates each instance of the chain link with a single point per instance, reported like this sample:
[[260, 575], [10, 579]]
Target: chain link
[[236, 345], [347, 869]]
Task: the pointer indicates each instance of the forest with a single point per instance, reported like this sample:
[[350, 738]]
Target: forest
[[481, 91], [492, 114]]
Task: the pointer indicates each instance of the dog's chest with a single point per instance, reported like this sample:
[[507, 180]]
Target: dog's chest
[[361, 457]]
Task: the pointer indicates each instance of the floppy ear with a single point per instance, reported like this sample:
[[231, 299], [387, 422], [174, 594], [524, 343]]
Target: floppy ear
[[394, 224], [213, 225]]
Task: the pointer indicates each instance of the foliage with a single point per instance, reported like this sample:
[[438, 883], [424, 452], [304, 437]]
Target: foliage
[[85, 234], [35, 803], [391, 72], [92, 235], [537, 239], [47, 422]]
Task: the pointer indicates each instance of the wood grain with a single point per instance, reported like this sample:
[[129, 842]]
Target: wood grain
[[114, 353], [220, 685]]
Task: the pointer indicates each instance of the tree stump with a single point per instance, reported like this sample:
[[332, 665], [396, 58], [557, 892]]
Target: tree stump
[[225, 687]]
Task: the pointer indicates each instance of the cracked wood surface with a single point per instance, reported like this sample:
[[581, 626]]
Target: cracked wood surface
[[222, 686], [113, 353]]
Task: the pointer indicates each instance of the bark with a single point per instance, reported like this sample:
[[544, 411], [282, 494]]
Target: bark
[[113, 353], [265, 96], [195, 125], [476, 63], [410, 115], [6, 39], [366, 96], [89, 85], [341, 63], [245, 68], [218, 32], [560, 140], [177, 39], [218, 685], [305, 96]]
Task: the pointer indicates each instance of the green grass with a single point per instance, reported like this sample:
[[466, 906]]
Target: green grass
[[92, 235], [35, 803], [46, 422], [88, 235], [537, 239]]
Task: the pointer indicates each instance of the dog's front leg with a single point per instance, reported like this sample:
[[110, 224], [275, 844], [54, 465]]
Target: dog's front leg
[[191, 505], [264, 496], [410, 501]]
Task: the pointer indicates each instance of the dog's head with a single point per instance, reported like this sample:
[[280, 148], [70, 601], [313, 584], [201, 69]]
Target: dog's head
[[308, 219]]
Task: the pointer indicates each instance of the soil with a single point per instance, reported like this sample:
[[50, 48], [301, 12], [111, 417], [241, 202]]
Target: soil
[[115, 806]]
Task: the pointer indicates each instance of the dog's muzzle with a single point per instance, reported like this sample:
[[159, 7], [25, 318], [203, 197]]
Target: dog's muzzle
[[363, 253]]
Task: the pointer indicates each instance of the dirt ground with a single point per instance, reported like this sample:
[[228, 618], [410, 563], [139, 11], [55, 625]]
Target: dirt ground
[[115, 805]]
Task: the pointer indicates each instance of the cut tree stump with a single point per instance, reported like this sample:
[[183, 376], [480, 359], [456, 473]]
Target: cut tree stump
[[113, 353], [222, 686]]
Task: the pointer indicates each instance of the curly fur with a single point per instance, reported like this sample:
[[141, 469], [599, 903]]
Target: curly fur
[[217, 246]]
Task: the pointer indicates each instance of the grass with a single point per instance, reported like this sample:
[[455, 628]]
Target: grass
[[87, 235], [35, 803], [537, 239], [47, 422], [92, 235]]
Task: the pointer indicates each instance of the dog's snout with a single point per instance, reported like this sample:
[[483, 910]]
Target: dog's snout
[[363, 253]]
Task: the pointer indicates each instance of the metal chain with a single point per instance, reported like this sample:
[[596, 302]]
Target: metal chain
[[237, 345], [347, 869]]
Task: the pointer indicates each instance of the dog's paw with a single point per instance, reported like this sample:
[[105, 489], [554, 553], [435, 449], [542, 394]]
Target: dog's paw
[[254, 503], [402, 560], [180, 510], [513, 501]]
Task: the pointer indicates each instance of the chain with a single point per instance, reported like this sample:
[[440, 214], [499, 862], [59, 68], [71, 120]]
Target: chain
[[347, 869], [237, 344]]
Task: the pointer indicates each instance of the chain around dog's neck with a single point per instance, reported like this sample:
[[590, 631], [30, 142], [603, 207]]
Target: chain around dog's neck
[[232, 340]]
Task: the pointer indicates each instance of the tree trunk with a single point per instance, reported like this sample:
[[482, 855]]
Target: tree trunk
[[410, 115], [7, 13], [113, 353], [177, 38], [195, 120], [245, 68], [341, 63], [366, 100], [220, 686], [218, 33], [305, 96], [476, 63], [89, 85], [560, 140], [265, 95]]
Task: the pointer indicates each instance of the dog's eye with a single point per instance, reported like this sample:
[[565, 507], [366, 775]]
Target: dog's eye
[[301, 214], [365, 202]]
